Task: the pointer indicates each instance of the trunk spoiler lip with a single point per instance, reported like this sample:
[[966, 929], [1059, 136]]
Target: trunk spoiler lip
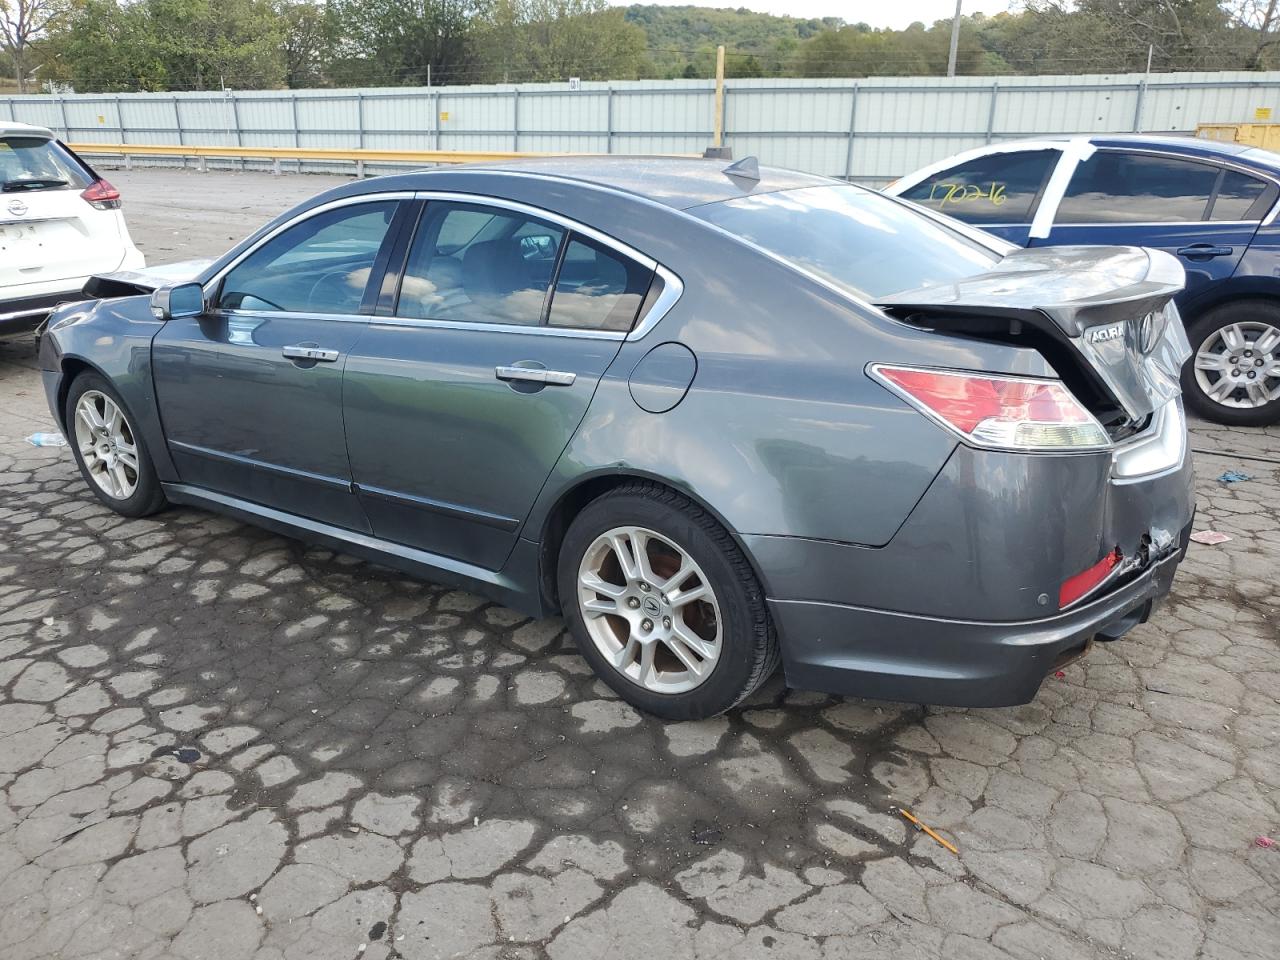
[[1075, 287]]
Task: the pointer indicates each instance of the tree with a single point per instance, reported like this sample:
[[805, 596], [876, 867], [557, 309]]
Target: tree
[[403, 41], [556, 39], [309, 39], [1260, 17], [168, 45], [21, 23]]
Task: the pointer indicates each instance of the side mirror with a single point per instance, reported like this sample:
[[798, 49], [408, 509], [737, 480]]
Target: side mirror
[[177, 300]]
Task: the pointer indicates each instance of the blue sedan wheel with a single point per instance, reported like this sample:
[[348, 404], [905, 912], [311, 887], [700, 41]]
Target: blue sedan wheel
[[1235, 371]]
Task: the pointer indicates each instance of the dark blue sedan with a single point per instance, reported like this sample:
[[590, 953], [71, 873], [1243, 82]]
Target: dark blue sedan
[[1211, 204]]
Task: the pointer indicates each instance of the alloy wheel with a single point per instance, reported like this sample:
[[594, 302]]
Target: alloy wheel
[[1238, 365], [106, 444], [649, 609]]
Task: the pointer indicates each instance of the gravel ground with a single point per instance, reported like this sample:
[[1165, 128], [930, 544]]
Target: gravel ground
[[218, 743]]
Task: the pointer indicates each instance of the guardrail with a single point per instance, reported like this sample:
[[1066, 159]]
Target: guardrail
[[358, 156]]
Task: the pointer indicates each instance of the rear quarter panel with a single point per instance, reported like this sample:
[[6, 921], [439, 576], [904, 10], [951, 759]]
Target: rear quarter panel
[[781, 431]]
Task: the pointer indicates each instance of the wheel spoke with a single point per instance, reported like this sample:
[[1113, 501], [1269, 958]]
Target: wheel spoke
[[1211, 361], [599, 606], [627, 655], [1256, 392], [640, 544], [1233, 337], [594, 582], [684, 655], [621, 546], [111, 419], [706, 651], [647, 672], [89, 414], [120, 479], [1222, 389], [683, 598], [129, 458], [1267, 341]]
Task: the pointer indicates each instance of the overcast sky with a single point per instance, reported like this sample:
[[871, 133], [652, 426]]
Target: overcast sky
[[878, 13]]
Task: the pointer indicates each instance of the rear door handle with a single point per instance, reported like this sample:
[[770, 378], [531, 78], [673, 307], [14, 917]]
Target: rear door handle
[[1204, 251], [553, 378], [303, 352]]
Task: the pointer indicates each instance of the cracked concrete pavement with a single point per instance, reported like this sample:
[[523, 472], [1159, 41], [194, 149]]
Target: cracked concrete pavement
[[219, 743]]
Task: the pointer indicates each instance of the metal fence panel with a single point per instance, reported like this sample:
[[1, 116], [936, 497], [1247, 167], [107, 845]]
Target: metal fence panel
[[870, 129]]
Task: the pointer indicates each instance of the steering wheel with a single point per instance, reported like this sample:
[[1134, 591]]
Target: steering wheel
[[340, 290]]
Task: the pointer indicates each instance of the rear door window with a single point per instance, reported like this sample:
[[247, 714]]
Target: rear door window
[[597, 288], [996, 188], [34, 163], [479, 264], [1240, 197], [1117, 187]]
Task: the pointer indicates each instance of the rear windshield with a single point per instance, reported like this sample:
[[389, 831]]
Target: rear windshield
[[855, 238], [33, 163]]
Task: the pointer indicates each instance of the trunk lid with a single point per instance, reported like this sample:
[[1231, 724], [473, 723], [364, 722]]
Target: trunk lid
[[1111, 308]]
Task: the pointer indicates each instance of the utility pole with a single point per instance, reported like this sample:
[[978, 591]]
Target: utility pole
[[955, 41], [717, 139]]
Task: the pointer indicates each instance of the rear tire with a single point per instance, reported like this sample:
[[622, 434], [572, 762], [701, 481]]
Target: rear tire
[[111, 455], [1228, 343], [684, 633]]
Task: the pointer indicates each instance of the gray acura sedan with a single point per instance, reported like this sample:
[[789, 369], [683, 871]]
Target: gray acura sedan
[[719, 417]]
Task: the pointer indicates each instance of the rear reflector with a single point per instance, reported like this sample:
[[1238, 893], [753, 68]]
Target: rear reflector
[[1084, 582], [989, 410], [101, 195]]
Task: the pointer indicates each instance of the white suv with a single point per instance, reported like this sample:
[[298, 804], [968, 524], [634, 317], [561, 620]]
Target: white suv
[[59, 223]]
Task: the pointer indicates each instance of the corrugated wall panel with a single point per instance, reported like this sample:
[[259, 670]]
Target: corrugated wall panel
[[900, 123]]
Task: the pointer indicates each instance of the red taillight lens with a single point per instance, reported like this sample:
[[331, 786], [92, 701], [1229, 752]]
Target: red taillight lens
[[101, 195], [1085, 581], [1014, 413]]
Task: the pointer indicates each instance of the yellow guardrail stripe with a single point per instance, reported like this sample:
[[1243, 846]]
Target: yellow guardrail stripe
[[303, 153]]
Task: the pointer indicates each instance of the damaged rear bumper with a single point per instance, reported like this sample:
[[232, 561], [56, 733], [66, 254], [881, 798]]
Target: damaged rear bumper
[[864, 652]]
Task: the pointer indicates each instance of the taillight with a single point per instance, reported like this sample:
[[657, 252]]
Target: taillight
[[989, 410], [101, 195], [1086, 581]]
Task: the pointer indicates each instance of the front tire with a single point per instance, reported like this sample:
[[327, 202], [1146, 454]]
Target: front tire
[[1233, 376], [111, 455], [663, 604]]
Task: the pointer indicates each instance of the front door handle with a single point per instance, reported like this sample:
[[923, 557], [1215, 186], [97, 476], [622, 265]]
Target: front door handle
[[554, 378], [303, 352], [1204, 251]]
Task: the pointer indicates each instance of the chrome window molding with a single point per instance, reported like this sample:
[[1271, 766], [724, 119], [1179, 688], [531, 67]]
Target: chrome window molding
[[1157, 223], [306, 215], [538, 331], [480, 200], [672, 289]]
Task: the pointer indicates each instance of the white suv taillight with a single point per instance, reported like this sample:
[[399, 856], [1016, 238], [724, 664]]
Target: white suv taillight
[[101, 195], [989, 410]]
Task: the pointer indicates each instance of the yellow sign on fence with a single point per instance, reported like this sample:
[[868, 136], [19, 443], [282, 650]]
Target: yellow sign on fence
[[1262, 113]]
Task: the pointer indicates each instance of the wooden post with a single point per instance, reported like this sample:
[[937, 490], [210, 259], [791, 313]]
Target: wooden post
[[718, 137]]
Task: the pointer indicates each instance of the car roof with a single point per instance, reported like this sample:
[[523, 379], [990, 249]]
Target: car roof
[[11, 128], [679, 182]]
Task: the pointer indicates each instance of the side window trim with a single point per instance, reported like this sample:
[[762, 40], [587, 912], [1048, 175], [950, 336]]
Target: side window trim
[[404, 216], [544, 320], [214, 284]]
